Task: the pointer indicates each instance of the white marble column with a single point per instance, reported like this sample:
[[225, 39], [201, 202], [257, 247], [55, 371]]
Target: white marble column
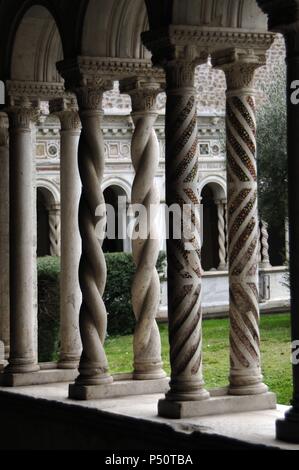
[[55, 230], [221, 235], [264, 241], [243, 225], [70, 187], [93, 271], [146, 283], [4, 238], [22, 344]]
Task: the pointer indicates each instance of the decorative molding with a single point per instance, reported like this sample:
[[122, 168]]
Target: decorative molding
[[34, 90], [194, 44], [94, 71]]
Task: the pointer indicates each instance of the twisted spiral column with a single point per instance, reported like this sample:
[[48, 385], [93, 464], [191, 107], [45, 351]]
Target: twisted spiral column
[[184, 252], [243, 231], [265, 260], [54, 226], [4, 237], [66, 109], [92, 272], [146, 283], [221, 235]]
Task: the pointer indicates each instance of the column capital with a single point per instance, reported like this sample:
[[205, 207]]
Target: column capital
[[66, 109], [143, 92], [22, 113], [239, 67]]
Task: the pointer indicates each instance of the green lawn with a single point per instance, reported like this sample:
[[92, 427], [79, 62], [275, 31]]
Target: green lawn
[[275, 347]]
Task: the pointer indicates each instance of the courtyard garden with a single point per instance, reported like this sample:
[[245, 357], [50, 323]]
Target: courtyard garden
[[275, 347]]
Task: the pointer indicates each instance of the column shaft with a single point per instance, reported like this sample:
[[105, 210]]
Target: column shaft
[[146, 282], [22, 349], [184, 254], [92, 272], [243, 231], [221, 236], [4, 237]]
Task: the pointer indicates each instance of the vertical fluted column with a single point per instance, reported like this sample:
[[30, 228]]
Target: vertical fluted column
[[265, 260], [70, 190], [221, 235], [243, 228], [54, 226], [22, 349], [92, 272], [184, 252], [4, 237], [146, 282]]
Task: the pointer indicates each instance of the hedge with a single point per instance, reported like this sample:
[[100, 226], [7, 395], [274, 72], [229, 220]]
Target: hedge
[[117, 297]]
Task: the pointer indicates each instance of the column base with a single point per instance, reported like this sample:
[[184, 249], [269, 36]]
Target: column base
[[218, 404], [42, 377], [123, 385], [245, 390], [68, 365], [149, 375], [287, 430]]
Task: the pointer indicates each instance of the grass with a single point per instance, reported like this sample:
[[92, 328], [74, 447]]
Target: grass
[[275, 349]]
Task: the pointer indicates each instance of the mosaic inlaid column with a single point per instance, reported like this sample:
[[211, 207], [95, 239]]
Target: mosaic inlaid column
[[4, 238], [146, 289], [22, 345], [70, 188], [184, 252], [93, 271], [243, 230], [221, 235]]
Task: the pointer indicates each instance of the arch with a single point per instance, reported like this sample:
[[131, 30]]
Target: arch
[[118, 182], [119, 242], [37, 47], [210, 194], [218, 185], [50, 189], [244, 14], [112, 28]]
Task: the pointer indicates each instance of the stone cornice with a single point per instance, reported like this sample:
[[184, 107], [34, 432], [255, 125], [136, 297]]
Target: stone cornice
[[91, 71], [195, 44], [34, 90]]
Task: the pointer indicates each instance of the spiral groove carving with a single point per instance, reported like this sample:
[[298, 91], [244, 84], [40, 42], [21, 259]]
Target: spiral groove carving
[[243, 245], [265, 244], [54, 225], [184, 255], [222, 236], [92, 272], [146, 282]]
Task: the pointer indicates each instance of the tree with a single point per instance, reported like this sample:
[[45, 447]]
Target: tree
[[272, 151]]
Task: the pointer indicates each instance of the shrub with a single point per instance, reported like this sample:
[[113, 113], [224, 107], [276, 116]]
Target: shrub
[[117, 297], [48, 270]]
